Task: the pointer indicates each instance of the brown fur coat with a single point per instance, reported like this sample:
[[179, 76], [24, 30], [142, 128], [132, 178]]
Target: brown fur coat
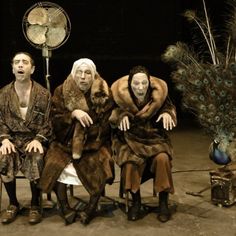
[[95, 167], [145, 138]]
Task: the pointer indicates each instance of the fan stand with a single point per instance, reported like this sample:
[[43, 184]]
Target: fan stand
[[46, 53], [46, 26]]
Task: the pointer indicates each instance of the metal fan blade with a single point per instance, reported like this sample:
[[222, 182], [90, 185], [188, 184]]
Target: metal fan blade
[[38, 16], [36, 34], [56, 18], [55, 36]]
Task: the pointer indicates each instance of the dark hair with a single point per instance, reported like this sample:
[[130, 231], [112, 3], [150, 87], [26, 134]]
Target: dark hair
[[132, 72], [26, 53]]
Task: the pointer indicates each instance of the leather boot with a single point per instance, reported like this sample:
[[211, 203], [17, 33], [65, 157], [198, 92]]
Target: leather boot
[[134, 212], [164, 212], [66, 212], [87, 215]]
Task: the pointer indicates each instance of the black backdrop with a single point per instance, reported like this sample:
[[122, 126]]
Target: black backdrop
[[116, 34]]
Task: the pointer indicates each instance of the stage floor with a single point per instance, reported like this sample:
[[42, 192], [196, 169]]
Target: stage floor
[[191, 215]]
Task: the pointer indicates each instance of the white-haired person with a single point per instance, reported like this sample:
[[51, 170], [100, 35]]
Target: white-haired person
[[80, 153]]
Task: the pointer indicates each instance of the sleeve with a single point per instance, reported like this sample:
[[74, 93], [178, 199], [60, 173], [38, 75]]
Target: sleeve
[[117, 115], [44, 134], [62, 122], [4, 130], [169, 107]]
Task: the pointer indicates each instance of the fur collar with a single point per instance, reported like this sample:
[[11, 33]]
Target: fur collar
[[74, 98], [123, 99]]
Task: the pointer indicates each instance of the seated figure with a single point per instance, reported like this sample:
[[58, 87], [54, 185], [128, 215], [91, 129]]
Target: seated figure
[[140, 144], [25, 131], [81, 151]]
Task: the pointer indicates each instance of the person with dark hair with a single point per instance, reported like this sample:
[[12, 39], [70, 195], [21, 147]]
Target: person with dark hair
[[25, 131], [81, 152], [140, 144]]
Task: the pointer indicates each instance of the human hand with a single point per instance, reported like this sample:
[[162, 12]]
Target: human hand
[[7, 147], [35, 145], [83, 117], [124, 124], [168, 122]]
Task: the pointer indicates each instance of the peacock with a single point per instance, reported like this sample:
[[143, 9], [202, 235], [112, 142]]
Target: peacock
[[207, 81]]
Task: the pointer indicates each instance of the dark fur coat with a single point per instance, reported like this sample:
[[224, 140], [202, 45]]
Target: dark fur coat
[[145, 138], [95, 167]]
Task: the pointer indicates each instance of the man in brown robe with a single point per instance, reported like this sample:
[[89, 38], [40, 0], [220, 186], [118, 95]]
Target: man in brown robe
[[24, 131]]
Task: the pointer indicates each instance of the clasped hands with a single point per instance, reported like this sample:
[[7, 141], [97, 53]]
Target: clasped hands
[[168, 122], [8, 147]]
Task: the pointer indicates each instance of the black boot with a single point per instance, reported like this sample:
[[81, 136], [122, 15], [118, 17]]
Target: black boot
[[164, 212], [66, 212], [134, 212], [87, 215]]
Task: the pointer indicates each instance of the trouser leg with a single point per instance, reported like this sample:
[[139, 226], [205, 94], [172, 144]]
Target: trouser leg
[[11, 192], [161, 167], [68, 214], [35, 191]]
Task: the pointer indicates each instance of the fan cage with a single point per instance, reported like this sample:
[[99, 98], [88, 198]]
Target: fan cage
[[45, 5]]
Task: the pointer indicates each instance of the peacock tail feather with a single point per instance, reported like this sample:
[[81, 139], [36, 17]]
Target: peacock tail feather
[[208, 87]]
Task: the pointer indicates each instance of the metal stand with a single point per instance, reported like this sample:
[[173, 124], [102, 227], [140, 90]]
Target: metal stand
[[46, 53]]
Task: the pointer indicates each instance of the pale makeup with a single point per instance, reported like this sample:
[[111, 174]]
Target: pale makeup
[[83, 77], [139, 85]]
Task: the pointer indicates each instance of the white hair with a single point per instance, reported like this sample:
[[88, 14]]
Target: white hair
[[86, 61]]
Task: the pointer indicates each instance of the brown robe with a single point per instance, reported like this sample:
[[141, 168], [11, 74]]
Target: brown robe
[[20, 132], [95, 167]]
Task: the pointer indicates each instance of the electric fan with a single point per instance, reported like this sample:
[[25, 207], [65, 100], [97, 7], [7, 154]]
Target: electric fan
[[46, 26]]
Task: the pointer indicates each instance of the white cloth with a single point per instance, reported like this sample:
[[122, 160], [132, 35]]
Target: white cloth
[[23, 112], [69, 176], [86, 61]]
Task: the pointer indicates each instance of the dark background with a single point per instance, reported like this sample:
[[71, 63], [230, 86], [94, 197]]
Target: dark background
[[116, 34]]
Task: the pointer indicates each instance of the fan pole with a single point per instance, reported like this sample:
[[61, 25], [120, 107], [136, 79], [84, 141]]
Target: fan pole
[[46, 53]]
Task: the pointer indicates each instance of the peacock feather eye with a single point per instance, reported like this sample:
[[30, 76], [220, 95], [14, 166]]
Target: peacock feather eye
[[212, 92], [202, 107], [227, 105], [211, 107], [228, 83], [221, 107], [205, 81], [201, 98], [232, 67], [222, 93], [209, 72], [181, 87], [211, 114], [193, 98], [218, 80], [217, 119], [198, 82]]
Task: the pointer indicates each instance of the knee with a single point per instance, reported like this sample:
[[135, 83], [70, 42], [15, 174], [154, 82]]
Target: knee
[[162, 158], [6, 179]]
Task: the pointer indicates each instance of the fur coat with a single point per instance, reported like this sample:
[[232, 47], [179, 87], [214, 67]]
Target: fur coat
[[145, 138], [95, 167]]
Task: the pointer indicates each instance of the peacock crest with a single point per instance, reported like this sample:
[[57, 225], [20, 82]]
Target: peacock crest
[[207, 80]]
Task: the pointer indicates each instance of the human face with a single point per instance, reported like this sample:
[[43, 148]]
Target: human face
[[22, 67], [139, 85], [84, 77]]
